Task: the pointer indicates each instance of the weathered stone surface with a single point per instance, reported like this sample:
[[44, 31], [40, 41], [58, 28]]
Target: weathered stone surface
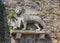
[[18, 36], [12, 40], [54, 40], [57, 12], [27, 32], [59, 41], [50, 13]]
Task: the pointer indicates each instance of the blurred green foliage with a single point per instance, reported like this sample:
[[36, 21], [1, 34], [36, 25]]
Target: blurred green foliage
[[12, 13], [37, 0], [8, 28]]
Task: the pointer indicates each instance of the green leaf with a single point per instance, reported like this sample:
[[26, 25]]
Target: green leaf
[[13, 13]]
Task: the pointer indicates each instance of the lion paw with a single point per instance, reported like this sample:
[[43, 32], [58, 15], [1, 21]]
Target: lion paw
[[37, 29]]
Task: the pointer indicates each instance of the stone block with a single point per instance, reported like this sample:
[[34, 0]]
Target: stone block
[[56, 12], [58, 35], [42, 36], [54, 40], [59, 41], [18, 35], [13, 40]]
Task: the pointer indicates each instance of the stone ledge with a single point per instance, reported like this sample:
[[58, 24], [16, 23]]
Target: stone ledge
[[27, 32]]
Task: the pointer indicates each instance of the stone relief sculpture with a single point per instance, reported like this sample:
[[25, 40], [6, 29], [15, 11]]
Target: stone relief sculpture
[[25, 19]]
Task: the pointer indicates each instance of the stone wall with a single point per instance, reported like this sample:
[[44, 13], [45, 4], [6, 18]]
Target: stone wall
[[49, 12]]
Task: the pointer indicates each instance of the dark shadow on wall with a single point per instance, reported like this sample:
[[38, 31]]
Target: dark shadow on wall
[[3, 22], [36, 40], [48, 39]]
